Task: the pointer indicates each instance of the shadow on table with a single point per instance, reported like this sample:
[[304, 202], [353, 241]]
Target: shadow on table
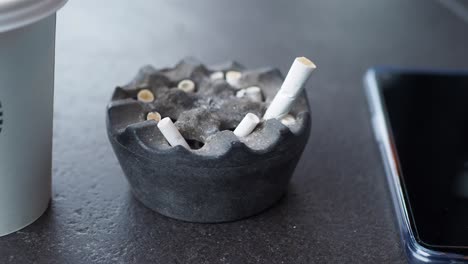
[[144, 234]]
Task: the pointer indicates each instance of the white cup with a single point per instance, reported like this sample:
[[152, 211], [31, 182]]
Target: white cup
[[27, 53]]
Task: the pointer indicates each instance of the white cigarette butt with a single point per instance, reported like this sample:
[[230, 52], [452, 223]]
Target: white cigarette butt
[[187, 86], [171, 133], [291, 88], [219, 75], [145, 96], [153, 116], [241, 93], [254, 93], [233, 77], [247, 125], [288, 120]]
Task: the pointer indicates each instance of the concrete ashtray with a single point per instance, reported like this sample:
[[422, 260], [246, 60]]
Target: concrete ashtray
[[220, 176]]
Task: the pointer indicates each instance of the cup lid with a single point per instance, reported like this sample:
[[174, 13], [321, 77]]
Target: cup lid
[[18, 13]]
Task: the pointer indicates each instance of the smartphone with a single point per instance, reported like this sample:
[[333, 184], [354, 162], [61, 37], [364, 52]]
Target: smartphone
[[420, 122]]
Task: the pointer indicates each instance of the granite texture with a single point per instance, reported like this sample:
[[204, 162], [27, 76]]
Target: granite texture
[[338, 208]]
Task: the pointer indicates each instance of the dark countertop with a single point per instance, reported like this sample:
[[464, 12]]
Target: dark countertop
[[338, 209]]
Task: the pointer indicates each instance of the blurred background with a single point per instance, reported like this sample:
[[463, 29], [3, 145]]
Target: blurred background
[[338, 208]]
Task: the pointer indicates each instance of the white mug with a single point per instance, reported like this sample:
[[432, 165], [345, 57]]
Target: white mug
[[27, 54]]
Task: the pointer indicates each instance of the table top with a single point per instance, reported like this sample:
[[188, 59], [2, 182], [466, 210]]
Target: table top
[[338, 208]]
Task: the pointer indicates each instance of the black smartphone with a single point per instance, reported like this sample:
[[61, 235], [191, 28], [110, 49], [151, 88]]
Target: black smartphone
[[420, 122]]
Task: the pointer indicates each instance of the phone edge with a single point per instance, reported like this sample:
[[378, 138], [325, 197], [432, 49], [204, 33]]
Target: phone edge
[[416, 253]]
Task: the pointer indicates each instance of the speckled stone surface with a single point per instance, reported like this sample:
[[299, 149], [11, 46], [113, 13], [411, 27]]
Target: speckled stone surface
[[338, 209], [222, 177]]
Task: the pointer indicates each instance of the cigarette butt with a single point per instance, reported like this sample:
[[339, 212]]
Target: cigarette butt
[[187, 86], [145, 96], [247, 125], [219, 75], [288, 120], [254, 93], [171, 133], [233, 77], [241, 93], [153, 116], [292, 86]]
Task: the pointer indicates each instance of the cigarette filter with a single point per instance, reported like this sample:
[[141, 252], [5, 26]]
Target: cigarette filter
[[187, 86], [247, 125], [145, 96], [153, 116], [291, 88], [288, 120], [254, 93], [171, 133], [233, 77], [219, 75]]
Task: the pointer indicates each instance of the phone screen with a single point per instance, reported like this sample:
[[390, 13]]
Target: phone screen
[[428, 116]]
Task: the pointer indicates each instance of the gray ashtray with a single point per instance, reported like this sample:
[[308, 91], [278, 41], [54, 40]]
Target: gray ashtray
[[223, 177]]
